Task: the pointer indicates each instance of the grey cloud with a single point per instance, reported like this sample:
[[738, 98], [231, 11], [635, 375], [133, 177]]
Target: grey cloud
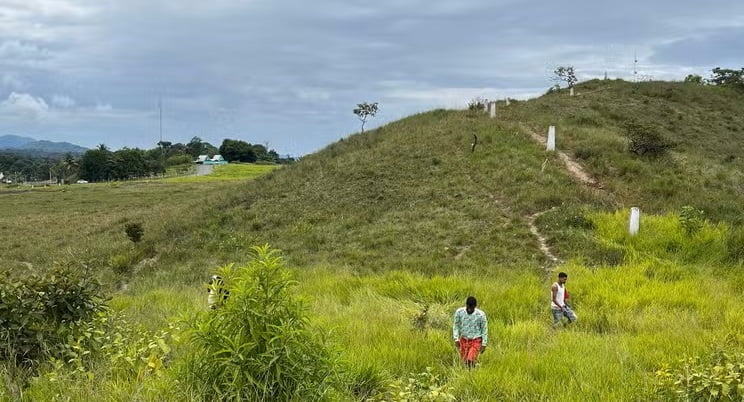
[[717, 48], [23, 104], [290, 72]]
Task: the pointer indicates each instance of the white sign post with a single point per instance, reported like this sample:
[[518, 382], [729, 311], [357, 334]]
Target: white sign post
[[635, 221], [551, 138], [571, 92]]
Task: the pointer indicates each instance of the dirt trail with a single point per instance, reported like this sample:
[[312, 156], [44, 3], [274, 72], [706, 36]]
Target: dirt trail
[[574, 168], [541, 240]]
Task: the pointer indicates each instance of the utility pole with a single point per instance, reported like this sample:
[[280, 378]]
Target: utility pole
[[162, 148], [160, 109]]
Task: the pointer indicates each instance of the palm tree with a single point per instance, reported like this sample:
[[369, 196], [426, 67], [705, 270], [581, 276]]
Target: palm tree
[[70, 165]]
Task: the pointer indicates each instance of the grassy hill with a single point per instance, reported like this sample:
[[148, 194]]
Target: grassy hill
[[704, 167], [411, 195], [388, 231]]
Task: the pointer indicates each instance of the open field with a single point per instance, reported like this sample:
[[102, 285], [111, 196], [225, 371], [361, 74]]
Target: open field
[[388, 232]]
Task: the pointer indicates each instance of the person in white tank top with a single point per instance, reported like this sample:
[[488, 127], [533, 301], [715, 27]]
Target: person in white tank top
[[558, 306]]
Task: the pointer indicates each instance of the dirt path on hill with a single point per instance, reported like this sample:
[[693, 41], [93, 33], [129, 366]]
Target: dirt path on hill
[[542, 243], [541, 240], [574, 168]]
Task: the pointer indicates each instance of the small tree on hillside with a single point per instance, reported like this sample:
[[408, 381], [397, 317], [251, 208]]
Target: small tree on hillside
[[645, 139], [365, 110], [728, 77], [565, 74], [695, 79]]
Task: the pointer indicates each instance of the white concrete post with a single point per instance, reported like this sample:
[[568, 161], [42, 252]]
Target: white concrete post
[[493, 109], [485, 106], [551, 138], [507, 101], [635, 221], [571, 91]]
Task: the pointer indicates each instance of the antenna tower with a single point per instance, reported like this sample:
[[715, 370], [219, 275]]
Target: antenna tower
[[635, 66], [160, 108]]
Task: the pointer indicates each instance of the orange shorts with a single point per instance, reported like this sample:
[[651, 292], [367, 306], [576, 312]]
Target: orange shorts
[[470, 348]]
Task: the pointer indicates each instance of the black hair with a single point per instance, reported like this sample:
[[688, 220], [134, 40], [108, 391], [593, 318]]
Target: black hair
[[471, 302], [563, 275]]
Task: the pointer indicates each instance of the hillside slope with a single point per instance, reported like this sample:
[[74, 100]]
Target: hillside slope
[[705, 125], [355, 220], [411, 195]]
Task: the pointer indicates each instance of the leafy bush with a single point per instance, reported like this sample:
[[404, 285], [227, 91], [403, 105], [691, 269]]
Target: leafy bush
[[129, 351], [477, 104], [176, 160], [40, 311], [694, 79], [718, 377], [134, 231], [691, 219], [258, 345], [645, 139], [425, 386]]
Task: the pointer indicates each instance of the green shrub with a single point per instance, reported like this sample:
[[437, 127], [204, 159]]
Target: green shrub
[[477, 104], [127, 351], [719, 377], [645, 139], [425, 386], [691, 219], [40, 311], [258, 344], [134, 231], [176, 160]]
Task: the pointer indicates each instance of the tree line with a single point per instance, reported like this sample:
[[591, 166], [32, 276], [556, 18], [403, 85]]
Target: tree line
[[101, 163], [725, 77]]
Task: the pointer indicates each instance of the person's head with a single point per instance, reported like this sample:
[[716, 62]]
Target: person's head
[[470, 304], [562, 277]]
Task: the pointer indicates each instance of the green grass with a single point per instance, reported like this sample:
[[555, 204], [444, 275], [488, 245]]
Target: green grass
[[233, 171], [379, 226], [703, 168]]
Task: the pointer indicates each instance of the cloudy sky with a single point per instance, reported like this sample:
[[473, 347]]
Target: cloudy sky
[[288, 73]]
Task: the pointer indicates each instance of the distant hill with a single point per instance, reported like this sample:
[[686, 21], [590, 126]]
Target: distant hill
[[18, 143], [14, 141]]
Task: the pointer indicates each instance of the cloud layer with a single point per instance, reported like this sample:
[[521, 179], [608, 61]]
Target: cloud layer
[[289, 73]]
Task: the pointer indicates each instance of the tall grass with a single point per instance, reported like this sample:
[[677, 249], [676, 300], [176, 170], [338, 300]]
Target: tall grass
[[389, 231]]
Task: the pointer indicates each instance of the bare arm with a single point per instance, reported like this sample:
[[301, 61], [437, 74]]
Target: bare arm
[[456, 329]]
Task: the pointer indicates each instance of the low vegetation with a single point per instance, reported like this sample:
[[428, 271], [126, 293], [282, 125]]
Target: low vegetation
[[383, 235]]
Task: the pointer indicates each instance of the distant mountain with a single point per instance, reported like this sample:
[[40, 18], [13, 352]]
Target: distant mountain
[[14, 141], [18, 143]]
